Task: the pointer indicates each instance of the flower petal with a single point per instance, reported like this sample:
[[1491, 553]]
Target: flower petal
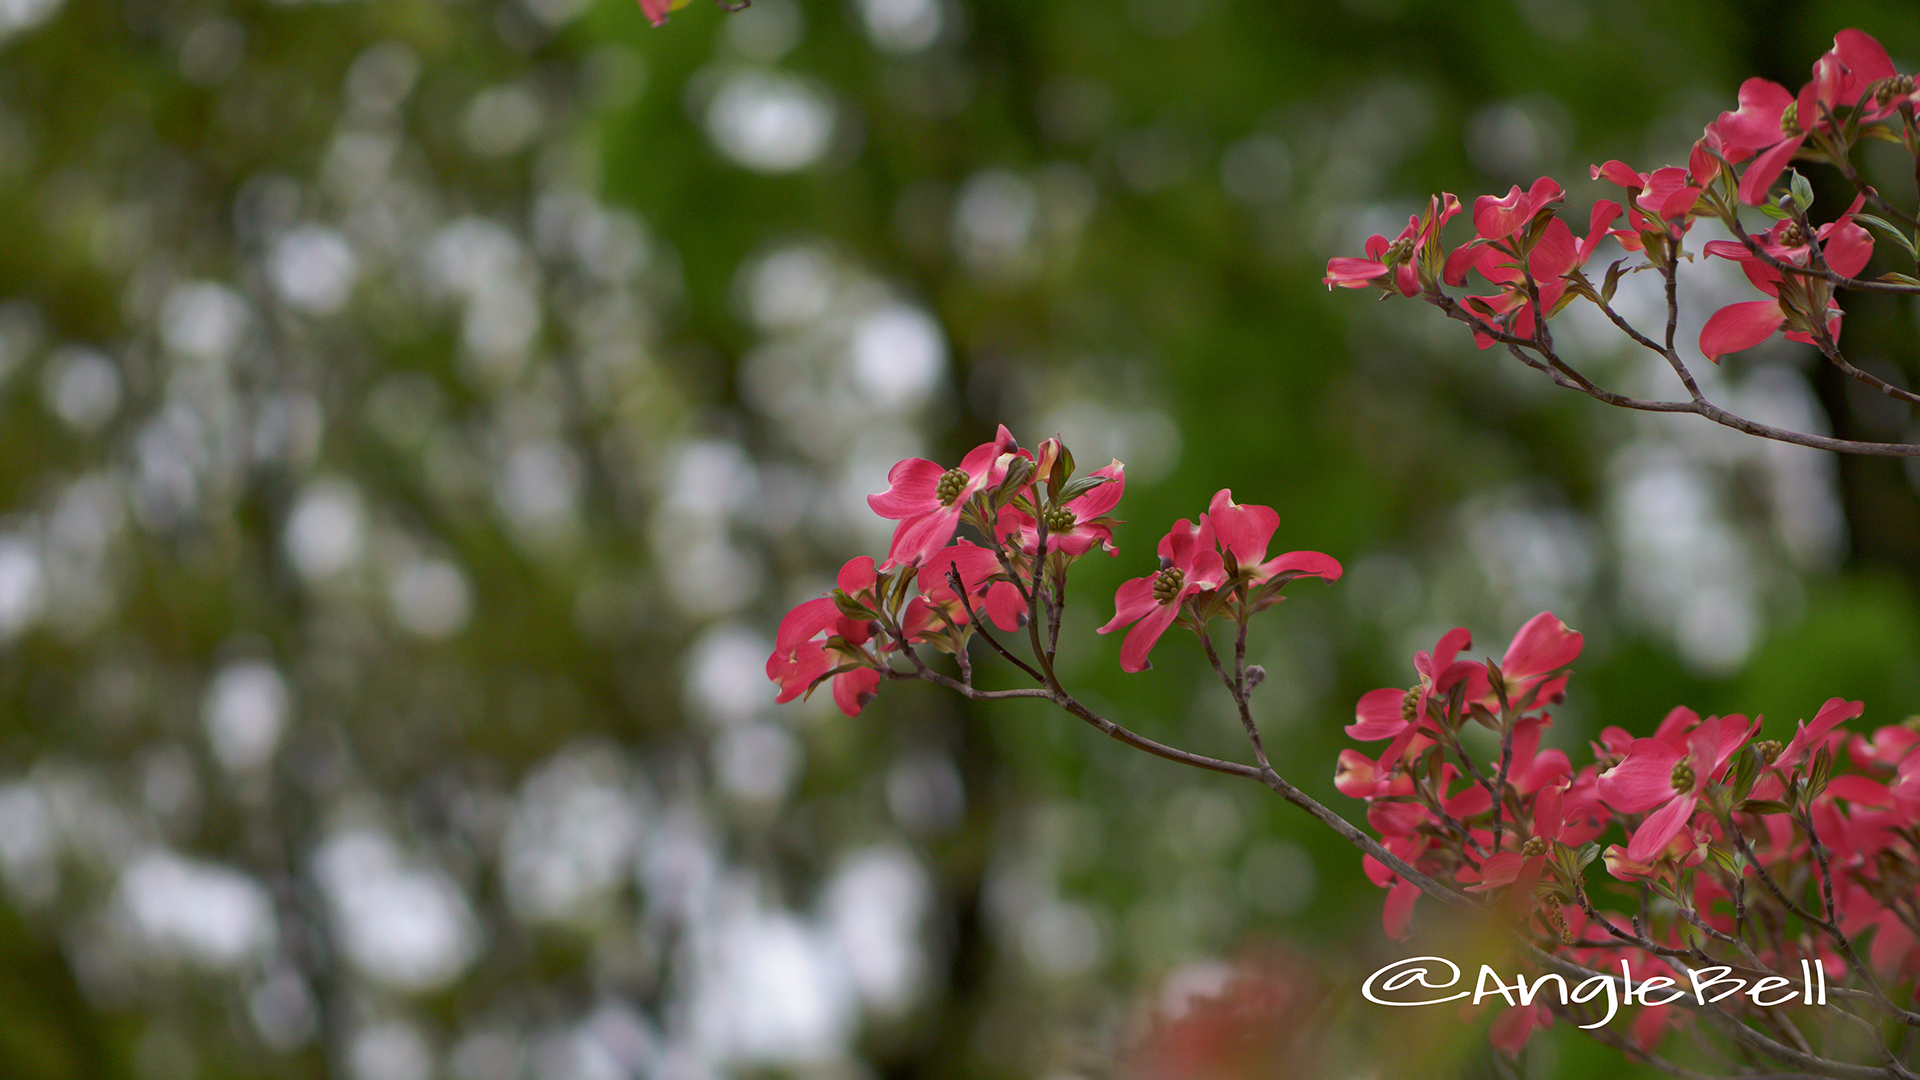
[[1740, 326]]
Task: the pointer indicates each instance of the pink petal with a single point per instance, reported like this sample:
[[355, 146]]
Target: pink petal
[[1354, 775], [1544, 644], [1548, 813], [1185, 540], [1604, 213], [1243, 530], [1866, 60], [798, 670], [1834, 712], [1395, 818], [1740, 326], [1757, 122], [1619, 172], [1847, 249], [1207, 571], [1300, 563], [1545, 192], [1144, 635], [1005, 607], [911, 489], [1859, 790], [985, 464], [1378, 715], [1514, 1027], [1496, 219], [1765, 169], [1449, 647], [1674, 727], [918, 538], [1644, 780], [857, 576], [853, 689], [1397, 916], [1498, 870], [1131, 601], [1650, 840], [803, 623], [1099, 501], [1351, 273]]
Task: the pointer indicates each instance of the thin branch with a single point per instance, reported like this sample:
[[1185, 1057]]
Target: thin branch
[[973, 619], [1699, 407], [1236, 686], [1856, 284]]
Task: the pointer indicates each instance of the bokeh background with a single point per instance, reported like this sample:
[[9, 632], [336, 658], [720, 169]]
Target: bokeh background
[[418, 415]]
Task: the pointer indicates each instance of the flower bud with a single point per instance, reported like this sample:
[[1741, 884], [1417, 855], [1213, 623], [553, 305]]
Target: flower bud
[[1255, 675]]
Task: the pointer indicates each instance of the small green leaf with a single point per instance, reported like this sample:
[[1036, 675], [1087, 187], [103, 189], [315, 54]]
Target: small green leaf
[[1888, 229], [1613, 280], [1081, 486], [1774, 212], [1762, 806], [1746, 769], [1900, 279], [1802, 190], [851, 608], [1062, 469], [1822, 769]]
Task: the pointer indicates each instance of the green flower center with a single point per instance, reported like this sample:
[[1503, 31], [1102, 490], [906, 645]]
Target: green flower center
[[1168, 583], [1059, 519], [1790, 119], [1792, 235], [952, 483], [1534, 846], [1400, 250], [1892, 87], [1410, 707], [1769, 750], [1682, 777]]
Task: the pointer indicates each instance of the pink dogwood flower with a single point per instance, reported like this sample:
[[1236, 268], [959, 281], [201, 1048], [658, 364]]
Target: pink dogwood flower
[[928, 500], [1243, 533], [1665, 774], [1661, 201], [1075, 526], [1402, 256], [1844, 246], [1774, 124], [1553, 256], [1392, 713], [1190, 565], [801, 656]]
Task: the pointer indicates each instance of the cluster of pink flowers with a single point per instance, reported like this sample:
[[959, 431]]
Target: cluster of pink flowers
[[1014, 499], [1534, 261], [1033, 519], [1202, 566], [1819, 830]]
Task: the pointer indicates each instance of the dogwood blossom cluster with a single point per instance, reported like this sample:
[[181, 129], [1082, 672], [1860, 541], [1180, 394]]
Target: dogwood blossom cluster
[[1753, 852], [1532, 261], [1033, 518]]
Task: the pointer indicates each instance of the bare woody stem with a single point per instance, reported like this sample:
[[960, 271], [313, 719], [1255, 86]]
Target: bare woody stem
[[1564, 375]]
